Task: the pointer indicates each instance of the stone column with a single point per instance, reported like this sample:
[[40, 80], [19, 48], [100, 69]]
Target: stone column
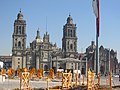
[[81, 66], [37, 62], [56, 65], [73, 71], [24, 61], [76, 66], [50, 62], [105, 67]]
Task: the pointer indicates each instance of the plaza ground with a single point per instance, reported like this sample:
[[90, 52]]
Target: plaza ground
[[10, 84]]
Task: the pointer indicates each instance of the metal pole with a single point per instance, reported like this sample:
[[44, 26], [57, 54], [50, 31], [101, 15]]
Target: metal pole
[[97, 35], [97, 59]]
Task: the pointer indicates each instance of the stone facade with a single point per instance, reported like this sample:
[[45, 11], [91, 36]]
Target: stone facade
[[41, 52], [69, 40], [107, 59], [19, 42], [7, 60], [91, 56]]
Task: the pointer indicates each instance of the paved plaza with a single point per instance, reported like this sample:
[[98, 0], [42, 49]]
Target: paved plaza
[[10, 84]]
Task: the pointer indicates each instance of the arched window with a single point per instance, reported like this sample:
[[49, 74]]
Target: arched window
[[74, 45], [68, 44], [68, 32], [71, 33], [23, 40], [23, 30], [74, 33], [71, 47], [19, 44], [19, 30], [16, 29]]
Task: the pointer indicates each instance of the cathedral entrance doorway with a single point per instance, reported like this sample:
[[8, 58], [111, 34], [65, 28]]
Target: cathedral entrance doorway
[[46, 68]]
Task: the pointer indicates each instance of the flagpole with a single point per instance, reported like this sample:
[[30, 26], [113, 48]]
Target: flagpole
[[97, 58], [97, 36], [96, 9]]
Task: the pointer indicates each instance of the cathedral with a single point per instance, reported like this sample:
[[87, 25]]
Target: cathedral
[[42, 52]]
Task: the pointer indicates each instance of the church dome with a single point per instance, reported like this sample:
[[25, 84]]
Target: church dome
[[69, 19], [20, 15], [38, 39]]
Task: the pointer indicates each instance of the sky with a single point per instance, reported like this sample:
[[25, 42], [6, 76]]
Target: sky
[[51, 15]]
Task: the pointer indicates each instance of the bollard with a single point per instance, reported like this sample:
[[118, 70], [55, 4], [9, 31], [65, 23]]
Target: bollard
[[51, 73], [58, 74], [99, 78], [90, 80], [82, 80], [111, 79], [40, 73], [76, 75], [106, 81]]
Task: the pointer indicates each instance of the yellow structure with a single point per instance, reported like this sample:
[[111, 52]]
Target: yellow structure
[[3, 71], [24, 80], [58, 74], [106, 81], [40, 73], [66, 80], [90, 80], [111, 79], [99, 78], [51, 73], [76, 81], [18, 72], [83, 80], [10, 72]]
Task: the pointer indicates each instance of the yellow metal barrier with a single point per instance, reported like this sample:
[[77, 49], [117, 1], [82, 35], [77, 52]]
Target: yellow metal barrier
[[66, 80]]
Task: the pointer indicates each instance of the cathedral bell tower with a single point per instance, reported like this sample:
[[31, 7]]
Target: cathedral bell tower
[[69, 40], [19, 42]]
